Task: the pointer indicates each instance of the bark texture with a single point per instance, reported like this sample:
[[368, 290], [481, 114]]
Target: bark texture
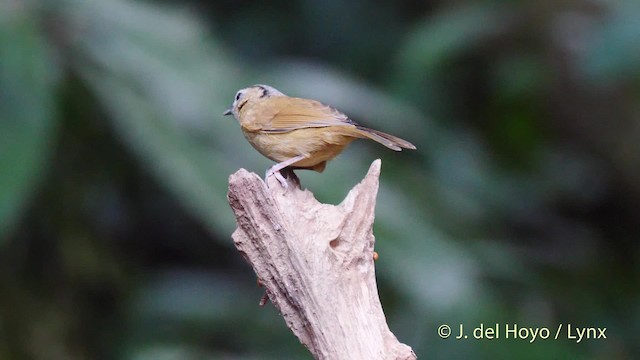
[[316, 263]]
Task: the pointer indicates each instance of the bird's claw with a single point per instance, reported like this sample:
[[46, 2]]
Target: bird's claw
[[278, 176], [281, 179]]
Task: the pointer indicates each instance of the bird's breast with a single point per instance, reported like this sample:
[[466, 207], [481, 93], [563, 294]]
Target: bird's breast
[[320, 144]]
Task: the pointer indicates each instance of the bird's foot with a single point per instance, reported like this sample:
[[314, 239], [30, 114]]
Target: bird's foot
[[278, 176], [281, 180], [275, 170]]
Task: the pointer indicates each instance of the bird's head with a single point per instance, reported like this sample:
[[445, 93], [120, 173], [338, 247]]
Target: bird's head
[[251, 94]]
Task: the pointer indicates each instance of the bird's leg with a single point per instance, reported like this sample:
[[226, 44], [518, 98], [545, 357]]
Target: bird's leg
[[275, 169], [290, 175]]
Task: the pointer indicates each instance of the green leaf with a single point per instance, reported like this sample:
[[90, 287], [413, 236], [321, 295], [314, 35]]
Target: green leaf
[[191, 172], [440, 38], [26, 111], [165, 85]]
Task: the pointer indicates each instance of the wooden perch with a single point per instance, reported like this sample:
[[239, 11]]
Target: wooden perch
[[316, 263]]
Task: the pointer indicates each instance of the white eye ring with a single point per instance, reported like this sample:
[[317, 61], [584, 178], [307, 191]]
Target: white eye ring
[[238, 95]]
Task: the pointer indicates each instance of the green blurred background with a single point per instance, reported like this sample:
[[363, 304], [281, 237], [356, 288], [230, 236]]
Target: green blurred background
[[521, 205]]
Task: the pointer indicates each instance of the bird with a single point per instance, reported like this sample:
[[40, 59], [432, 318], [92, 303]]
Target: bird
[[296, 132]]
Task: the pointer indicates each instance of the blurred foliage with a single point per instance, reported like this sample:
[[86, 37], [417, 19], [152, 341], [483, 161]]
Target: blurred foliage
[[521, 205]]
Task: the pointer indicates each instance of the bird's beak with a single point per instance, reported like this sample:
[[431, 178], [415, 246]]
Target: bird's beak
[[228, 112]]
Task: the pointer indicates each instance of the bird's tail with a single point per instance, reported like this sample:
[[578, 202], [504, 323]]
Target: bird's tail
[[390, 141]]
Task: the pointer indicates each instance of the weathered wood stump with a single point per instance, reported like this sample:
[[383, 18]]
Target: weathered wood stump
[[316, 263]]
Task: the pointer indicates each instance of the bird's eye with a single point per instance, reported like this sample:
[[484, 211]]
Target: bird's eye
[[238, 96]]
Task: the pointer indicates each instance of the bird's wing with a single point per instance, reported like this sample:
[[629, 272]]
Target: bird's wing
[[290, 114], [285, 114]]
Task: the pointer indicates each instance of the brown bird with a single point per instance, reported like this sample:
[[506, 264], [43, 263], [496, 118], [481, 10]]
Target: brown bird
[[298, 133]]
